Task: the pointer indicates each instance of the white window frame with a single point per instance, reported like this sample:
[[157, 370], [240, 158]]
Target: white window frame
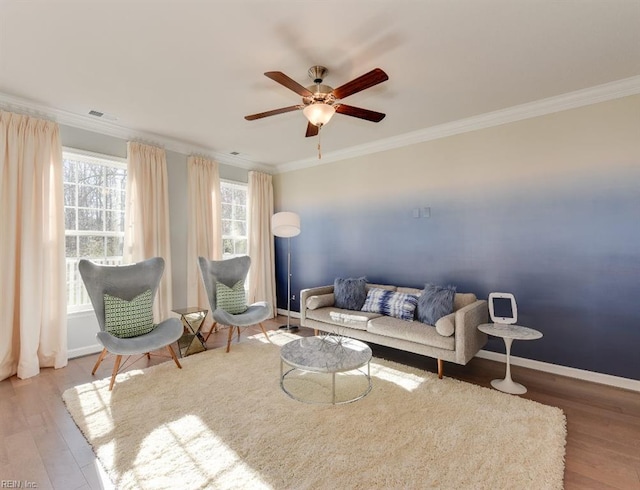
[[244, 186], [74, 281]]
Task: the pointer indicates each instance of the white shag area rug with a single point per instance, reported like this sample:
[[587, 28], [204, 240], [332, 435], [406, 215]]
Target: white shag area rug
[[223, 422]]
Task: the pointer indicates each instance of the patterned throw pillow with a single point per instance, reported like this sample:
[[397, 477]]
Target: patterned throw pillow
[[231, 299], [391, 303], [125, 319], [350, 293], [434, 303]]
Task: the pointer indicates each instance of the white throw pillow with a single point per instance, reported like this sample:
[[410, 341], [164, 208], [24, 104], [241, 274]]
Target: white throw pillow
[[320, 301], [446, 325]]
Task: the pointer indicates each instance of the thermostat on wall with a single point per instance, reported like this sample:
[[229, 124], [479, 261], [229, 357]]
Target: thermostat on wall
[[503, 308]]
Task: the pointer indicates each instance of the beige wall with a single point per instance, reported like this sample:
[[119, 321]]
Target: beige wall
[[528, 153]]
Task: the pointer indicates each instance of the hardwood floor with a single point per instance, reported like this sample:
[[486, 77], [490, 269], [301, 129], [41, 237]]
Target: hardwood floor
[[41, 444]]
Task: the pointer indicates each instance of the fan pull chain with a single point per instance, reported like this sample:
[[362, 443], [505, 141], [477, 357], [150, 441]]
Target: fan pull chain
[[319, 144]]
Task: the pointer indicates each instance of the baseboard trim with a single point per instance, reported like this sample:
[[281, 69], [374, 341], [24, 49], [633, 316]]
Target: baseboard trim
[[84, 351], [294, 314], [605, 379]]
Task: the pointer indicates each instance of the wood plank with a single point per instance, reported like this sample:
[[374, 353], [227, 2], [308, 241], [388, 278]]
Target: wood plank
[[603, 422]]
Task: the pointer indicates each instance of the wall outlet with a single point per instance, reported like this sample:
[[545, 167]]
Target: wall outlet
[[293, 297]]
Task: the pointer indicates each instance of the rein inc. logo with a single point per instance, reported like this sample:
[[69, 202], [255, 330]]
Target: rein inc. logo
[[18, 484]]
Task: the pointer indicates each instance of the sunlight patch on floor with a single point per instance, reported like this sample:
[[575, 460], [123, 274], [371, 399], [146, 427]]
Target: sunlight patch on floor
[[407, 381]]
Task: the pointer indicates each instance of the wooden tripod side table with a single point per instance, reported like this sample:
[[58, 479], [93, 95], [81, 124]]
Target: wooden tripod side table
[[192, 319]]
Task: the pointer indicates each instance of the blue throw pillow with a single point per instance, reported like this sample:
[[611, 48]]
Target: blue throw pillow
[[434, 303], [391, 303], [350, 294]]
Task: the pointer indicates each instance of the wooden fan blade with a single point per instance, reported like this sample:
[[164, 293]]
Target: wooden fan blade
[[312, 130], [282, 79], [282, 110], [374, 77], [349, 110]]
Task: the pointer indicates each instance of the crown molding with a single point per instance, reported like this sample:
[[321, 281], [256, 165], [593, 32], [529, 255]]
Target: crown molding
[[571, 100], [89, 123]]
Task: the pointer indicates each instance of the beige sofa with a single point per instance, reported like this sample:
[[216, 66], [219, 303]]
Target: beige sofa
[[454, 338]]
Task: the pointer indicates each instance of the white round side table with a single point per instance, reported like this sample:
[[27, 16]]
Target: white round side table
[[509, 333]]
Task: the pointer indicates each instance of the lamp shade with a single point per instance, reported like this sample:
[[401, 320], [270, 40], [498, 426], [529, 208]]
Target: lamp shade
[[319, 113], [285, 224]]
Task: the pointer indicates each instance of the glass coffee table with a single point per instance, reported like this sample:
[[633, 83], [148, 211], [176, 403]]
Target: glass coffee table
[[329, 354]]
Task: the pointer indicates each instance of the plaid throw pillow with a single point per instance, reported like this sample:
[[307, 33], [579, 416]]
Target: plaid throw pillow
[[391, 303], [125, 319], [231, 299]]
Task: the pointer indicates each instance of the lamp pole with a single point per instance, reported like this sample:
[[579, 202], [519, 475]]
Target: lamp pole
[[286, 225]]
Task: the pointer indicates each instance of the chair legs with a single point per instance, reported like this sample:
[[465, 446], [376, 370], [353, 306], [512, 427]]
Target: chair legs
[[264, 332], [116, 366], [100, 359], [230, 336], [214, 328], [173, 356], [232, 329]]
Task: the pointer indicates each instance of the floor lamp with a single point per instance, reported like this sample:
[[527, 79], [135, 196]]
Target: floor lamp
[[287, 225]]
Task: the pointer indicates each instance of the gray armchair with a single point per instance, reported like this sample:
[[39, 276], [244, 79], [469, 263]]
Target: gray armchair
[[127, 282], [229, 272]]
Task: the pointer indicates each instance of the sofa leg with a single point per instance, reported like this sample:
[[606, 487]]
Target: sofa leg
[[440, 368], [316, 332]]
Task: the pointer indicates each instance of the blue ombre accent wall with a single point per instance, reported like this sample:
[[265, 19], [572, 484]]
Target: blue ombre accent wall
[[547, 208]]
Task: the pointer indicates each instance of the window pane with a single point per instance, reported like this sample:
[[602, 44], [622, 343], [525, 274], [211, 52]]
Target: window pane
[[71, 246], [239, 228], [226, 211], [114, 199], [239, 212], [241, 246], [116, 178], [239, 196], [90, 197], [114, 221], [92, 246], [70, 194], [69, 167], [225, 193], [70, 218], [89, 173], [226, 227], [115, 246], [90, 220], [227, 246]]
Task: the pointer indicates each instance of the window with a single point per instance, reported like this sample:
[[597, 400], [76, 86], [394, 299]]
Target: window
[[94, 200], [234, 219]]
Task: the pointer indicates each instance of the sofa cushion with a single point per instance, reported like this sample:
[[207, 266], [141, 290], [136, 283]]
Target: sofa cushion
[[381, 286], [434, 303], [460, 300], [414, 291], [391, 303], [350, 293], [342, 317], [420, 333], [446, 325], [320, 301]]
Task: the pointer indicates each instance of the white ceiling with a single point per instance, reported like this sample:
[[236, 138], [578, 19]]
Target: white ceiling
[[189, 71]]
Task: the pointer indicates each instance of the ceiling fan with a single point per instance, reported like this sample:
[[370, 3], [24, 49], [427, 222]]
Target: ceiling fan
[[320, 102]]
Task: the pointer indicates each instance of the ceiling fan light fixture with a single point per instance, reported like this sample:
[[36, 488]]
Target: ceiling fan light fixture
[[319, 113]]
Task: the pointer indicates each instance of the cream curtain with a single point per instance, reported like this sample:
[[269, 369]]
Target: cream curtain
[[262, 282], [204, 236], [147, 216], [33, 303]]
